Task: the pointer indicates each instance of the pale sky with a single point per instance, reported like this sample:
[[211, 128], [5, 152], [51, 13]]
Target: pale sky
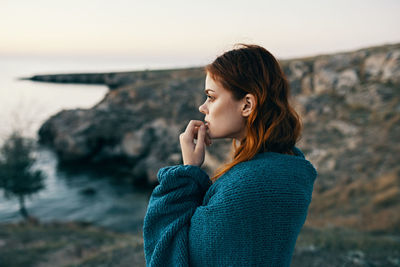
[[194, 30]]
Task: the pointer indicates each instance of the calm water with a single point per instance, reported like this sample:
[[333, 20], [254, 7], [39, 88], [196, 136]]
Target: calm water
[[26, 105]]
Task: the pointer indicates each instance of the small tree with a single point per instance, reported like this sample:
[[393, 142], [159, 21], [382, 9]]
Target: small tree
[[16, 176]]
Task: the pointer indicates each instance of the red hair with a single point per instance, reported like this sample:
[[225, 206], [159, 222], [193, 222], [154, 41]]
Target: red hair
[[273, 126]]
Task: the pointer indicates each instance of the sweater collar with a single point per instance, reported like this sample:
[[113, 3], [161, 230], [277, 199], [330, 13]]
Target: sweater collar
[[296, 150]]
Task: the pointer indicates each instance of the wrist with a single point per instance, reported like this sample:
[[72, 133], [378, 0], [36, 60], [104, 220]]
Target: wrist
[[191, 164]]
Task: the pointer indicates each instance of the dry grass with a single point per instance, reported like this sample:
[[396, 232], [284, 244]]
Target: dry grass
[[367, 205], [345, 247], [67, 244]]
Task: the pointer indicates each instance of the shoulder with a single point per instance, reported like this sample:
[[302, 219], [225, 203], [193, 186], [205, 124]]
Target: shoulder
[[260, 169], [268, 175], [271, 165]]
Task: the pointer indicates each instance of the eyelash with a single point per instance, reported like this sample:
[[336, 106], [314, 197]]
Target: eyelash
[[208, 96]]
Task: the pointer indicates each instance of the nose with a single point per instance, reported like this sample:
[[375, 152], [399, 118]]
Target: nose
[[203, 109]]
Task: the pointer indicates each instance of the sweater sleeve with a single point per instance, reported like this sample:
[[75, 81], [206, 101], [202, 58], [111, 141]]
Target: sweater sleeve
[[165, 231], [243, 222]]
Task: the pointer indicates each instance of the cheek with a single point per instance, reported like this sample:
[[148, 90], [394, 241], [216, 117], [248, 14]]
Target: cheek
[[225, 117], [221, 111], [215, 111]]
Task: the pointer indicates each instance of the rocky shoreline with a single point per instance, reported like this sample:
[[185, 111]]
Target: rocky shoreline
[[349, 102]]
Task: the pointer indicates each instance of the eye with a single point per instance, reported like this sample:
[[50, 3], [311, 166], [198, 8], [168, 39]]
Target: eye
[[210, 97]]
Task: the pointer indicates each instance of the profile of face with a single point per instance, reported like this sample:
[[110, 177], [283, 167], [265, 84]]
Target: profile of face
[[225, 117]]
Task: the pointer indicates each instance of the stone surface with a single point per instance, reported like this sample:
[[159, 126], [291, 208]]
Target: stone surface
[[349, 103]]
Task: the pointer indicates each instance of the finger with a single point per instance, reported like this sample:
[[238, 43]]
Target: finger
[[190, 130], [192, 124], [207, 139], [200, 139], [196, 130]]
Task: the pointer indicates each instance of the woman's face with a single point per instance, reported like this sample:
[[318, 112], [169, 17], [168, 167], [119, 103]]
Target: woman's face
[[223, 113]]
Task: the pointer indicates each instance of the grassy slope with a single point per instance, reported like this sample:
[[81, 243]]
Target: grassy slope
[[74, 244], [67, 244]]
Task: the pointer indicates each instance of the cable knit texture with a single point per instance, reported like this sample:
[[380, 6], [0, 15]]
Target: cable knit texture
[[251, 216]]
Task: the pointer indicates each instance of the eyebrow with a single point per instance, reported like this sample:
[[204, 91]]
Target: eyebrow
[[208, 90]]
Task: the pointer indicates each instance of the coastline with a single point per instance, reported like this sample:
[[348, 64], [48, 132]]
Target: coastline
[[344, 100], [112, 79]]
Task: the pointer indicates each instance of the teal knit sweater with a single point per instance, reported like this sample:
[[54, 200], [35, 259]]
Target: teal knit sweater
[[251, 216]]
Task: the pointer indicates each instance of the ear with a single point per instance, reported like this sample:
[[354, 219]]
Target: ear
[[248, 105]]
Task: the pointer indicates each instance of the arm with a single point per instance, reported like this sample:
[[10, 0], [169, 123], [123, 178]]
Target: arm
[[243, 223], [171, 206], [253, 218], [174, 200]]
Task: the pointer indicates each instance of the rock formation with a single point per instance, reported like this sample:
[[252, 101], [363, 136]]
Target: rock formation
[[135, 127], [349, 102]]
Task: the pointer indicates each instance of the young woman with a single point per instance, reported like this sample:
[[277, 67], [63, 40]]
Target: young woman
[[251, 211]]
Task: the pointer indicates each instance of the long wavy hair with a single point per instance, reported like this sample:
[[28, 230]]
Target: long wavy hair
[[273, 126]]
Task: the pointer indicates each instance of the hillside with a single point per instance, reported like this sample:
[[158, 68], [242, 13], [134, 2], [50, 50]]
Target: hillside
[[349, 102]]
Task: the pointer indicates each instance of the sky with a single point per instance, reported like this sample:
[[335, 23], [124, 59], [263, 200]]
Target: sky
[[195, 31]]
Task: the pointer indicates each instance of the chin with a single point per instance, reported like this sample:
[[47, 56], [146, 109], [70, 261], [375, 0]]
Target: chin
[[210, 134], [220, 135], [217, 136]]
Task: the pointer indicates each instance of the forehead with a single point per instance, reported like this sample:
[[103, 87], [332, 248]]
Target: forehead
[[213, 85]]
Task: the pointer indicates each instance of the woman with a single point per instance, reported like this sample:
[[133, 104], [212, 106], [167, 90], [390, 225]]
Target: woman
[[251, 211]]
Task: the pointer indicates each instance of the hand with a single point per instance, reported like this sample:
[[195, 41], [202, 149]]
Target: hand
[[193, 154]]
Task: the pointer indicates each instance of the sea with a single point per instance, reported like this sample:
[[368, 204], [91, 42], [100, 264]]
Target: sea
[[25, 105]]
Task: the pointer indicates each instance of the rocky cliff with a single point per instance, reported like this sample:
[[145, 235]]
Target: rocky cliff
[[349, 102], [135, 128]]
